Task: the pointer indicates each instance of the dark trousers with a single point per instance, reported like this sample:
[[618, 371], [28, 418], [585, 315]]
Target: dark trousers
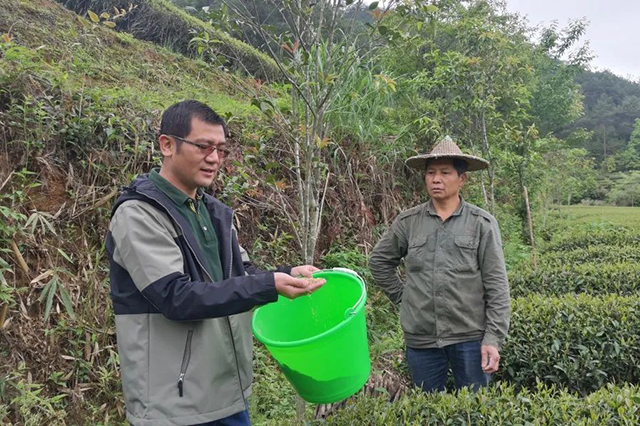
[[429, 367], [238, 419]]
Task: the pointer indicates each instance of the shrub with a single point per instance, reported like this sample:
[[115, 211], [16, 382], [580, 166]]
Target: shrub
[[593, 278], [580, 342], [595, 253], [498, 405], [354, 259], [585, 237]]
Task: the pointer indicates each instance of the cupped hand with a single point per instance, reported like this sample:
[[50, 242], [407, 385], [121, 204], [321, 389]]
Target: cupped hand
[[291, 287], [304, 270]]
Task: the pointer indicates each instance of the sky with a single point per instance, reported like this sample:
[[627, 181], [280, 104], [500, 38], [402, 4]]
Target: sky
[[613, 32]]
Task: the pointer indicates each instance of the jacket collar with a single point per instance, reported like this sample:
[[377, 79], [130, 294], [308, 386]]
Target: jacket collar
[[221, 216], [178, 197], [432, 210]]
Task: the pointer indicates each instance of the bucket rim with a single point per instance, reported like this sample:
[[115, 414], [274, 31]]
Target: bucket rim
[[359, 306]]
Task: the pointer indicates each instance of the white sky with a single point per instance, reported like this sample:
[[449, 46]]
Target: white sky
[[613, 31]]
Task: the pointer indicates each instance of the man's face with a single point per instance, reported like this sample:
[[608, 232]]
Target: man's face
[[442, 180], [190, 166]]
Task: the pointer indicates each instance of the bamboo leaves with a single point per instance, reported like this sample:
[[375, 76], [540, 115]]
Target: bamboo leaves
[[55, 285], [40, 221]]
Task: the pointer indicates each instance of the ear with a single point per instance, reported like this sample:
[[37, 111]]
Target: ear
[[463, 179], [167, 145]]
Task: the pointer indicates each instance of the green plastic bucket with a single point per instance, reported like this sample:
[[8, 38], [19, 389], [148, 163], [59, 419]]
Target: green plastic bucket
[[320, 340]]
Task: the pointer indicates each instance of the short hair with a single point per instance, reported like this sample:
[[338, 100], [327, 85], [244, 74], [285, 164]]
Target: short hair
[[176, 120], [459, 164]]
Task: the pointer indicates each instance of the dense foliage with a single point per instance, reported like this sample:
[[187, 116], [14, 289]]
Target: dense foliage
[[500, 405], [612, 106], [579, 342]]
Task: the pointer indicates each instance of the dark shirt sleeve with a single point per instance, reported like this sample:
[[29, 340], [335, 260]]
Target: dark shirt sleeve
[[495, 283], [386, 258]]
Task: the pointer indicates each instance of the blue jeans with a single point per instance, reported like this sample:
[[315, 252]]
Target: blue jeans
[[429, 367], [238, 419]]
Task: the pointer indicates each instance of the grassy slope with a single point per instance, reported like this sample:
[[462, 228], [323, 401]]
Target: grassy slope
[[620, 216], [65, 86], [89, 58], [161, 22]]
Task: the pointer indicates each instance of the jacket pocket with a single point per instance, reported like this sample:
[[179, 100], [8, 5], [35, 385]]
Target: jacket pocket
[[466, 252], [416, 253], [186, 357]]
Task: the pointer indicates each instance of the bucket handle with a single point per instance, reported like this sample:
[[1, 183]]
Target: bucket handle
[[349, 312]]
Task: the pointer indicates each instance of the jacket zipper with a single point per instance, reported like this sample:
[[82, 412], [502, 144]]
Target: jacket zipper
[[233, 342], [235, 355], [231, 245], [187, 350], [186, 357]]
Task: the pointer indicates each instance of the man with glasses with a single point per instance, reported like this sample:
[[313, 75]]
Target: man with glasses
[[182, 287]]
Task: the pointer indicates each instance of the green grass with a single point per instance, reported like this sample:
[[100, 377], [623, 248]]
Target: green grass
[[621, 216], [160, 22], [80, 57]]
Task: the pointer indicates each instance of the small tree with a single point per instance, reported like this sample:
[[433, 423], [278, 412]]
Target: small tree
[[320, 49]]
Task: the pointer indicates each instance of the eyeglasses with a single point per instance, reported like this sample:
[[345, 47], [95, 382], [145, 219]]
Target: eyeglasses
[[205, 148]]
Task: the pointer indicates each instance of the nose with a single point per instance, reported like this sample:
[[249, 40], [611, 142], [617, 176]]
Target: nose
[[214, 157]]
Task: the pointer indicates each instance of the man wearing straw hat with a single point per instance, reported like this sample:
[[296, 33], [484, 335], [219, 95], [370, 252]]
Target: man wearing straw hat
[[454, 305]]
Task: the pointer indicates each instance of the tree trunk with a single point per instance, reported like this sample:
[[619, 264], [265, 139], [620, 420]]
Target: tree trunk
[[604, 135], [530, 221], [491, 170], [484, 191]]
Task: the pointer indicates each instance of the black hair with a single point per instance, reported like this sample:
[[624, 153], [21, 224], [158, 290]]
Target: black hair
[[176, 120], [460, 165]]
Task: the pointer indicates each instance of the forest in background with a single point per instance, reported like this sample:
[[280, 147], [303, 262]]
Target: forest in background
[[606, 107], [324, 104]]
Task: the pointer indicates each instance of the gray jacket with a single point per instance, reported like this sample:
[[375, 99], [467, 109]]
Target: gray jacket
[[456, 288], [185, 342]]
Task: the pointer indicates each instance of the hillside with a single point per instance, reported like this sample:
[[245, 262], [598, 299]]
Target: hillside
[[611, 106], [79, 108], [160, 22]]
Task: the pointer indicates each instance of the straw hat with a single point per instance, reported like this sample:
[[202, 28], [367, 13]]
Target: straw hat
[[447, 148]]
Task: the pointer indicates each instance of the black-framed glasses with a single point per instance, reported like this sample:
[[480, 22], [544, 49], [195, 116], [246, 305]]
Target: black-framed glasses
[[205, 148]]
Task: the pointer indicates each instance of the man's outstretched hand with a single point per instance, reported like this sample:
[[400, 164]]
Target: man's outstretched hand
[[291, 287], [304, 270]]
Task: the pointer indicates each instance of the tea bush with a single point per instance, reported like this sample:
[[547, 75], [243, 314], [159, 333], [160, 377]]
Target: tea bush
[[579, 342], [593, 278], [499, 405], [585, 237], [601, 254]]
